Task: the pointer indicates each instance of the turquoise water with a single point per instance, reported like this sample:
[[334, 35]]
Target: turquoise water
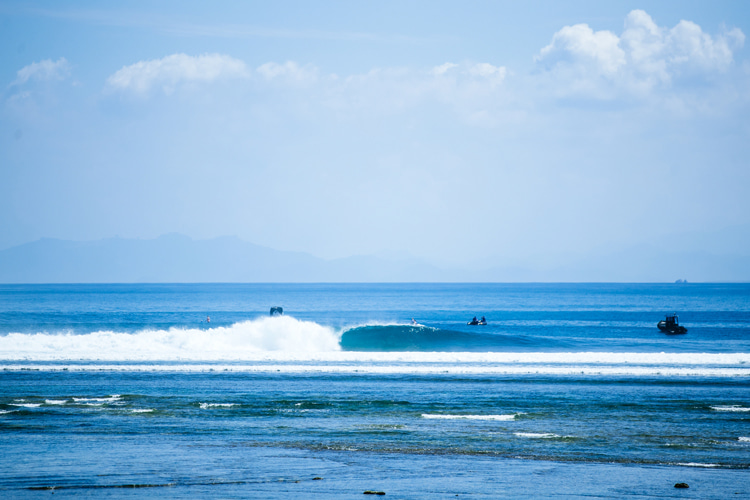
[[569, 391]]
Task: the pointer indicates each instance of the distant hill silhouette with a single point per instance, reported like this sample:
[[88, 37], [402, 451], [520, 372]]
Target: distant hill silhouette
[[174, 258]]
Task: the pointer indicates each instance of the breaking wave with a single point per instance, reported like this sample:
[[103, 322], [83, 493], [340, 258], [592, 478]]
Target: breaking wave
[[289, 345], [237, 341], [399, 337]]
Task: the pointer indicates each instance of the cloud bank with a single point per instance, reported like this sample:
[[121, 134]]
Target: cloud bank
[[643, 60]]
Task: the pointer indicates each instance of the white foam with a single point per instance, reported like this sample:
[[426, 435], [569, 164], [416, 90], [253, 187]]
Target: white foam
[[110, 399], [743, 439], [696, 464], [3, 412], [27, 405], [142, 410], [468, 417], [536, 435], [234, 342], [206, 406], [55, 401], [736, 408], [387, 368]]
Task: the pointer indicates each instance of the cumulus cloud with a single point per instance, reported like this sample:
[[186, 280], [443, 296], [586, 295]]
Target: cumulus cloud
[[494, 74], [168, 72], [643, 57], [289, 71], [443, 68], [595, 51], [45, 70]]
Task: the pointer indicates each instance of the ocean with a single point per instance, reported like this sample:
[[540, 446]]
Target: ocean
[[569, 391]]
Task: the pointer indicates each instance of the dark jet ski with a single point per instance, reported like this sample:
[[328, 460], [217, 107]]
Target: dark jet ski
[[476, 321], [671, 325]]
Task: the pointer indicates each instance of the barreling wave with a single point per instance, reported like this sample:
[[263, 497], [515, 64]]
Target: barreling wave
[[246, 339], [399, 337]]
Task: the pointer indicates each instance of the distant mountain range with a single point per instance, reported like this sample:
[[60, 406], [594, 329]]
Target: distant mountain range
[[175, 258]]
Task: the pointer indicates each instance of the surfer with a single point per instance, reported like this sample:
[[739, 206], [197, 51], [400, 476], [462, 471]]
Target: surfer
[[413, 322], [482, 321], [208, 319]]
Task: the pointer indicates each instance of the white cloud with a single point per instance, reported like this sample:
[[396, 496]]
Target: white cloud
[[43, 71], [643, 57], [443, 68], [495, 74], [289, 71], [173, 70], [595, 51]]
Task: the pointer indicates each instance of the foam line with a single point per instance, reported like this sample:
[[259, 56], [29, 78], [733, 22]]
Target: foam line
[[438, 416], [387, 369], [732, 408], [536, 435]]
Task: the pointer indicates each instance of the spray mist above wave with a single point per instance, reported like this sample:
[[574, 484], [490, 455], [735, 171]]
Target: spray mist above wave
[[234, 342]]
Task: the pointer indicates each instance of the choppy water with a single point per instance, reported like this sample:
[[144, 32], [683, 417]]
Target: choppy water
[[109, 386]]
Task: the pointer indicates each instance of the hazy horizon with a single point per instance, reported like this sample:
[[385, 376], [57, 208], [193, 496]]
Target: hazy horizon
[[176, 258]]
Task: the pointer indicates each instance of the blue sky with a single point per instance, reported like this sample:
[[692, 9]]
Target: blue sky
[[465, 133]]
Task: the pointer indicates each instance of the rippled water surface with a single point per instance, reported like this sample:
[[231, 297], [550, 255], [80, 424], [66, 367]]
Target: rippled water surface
[[569, 391]]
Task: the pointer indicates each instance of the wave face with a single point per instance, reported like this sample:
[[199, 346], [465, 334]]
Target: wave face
[[396, 337]]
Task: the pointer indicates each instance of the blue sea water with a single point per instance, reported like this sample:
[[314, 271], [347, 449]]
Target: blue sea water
[[569, 391]]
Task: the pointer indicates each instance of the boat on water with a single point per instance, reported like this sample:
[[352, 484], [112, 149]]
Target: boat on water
[[671, 325]]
